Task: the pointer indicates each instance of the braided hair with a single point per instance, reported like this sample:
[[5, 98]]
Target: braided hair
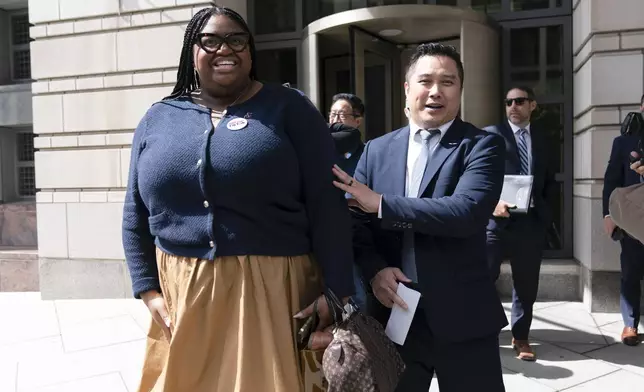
[[187, 78]]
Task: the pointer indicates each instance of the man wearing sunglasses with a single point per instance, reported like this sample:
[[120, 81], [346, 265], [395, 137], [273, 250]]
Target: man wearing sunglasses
[[520, 237]]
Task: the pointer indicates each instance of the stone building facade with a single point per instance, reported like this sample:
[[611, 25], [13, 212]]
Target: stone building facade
[[98, 65]]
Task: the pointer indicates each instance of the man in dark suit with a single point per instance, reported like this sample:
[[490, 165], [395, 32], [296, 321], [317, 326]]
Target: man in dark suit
[[521, 236], [425, 193], [619, 174]]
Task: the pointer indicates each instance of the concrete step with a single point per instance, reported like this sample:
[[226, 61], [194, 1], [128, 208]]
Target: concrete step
[[19, 269], [558, 281]]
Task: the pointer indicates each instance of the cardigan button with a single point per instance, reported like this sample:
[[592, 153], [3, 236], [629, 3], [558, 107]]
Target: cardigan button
[[206, 204], [199, 163], [212, 244]]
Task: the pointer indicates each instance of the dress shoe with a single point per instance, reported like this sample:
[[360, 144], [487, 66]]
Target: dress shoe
[[523, 349], [630, 337]]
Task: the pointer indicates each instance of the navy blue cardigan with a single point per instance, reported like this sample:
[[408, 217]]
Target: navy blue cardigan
[[264, 189]]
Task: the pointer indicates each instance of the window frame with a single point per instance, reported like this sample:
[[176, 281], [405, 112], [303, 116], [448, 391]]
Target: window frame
[[290, 35], [13, 48], [20, 164], [287, 44]]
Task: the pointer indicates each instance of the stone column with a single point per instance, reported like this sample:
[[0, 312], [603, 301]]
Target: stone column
[[481, 102], [608, 39], [99, 65], [309, 79]]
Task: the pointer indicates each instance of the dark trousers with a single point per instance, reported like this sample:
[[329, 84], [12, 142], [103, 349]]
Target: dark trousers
[[632, 265], [520, 239], [472, 365]]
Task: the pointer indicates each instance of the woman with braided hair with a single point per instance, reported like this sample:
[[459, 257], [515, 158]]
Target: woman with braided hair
[[231, 221]]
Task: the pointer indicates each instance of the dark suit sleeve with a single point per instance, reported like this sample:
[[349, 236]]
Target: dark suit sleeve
[[467, 210], [364, 249], [614, 175]]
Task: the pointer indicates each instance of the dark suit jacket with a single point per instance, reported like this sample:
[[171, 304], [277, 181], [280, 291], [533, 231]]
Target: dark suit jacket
[[459, 191], [618, 172], [543, 182]]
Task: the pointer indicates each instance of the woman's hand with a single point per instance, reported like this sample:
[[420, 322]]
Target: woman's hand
[[325, 317], [324, 313], [156, 305], [637, 166]]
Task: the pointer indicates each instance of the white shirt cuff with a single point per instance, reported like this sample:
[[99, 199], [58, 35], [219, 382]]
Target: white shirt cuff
[[380, 208]]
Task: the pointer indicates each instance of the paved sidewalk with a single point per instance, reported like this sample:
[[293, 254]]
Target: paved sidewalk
[[97, 345]]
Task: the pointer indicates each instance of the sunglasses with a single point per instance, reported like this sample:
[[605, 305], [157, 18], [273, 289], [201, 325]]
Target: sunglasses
[[211, 43], [519, 101]]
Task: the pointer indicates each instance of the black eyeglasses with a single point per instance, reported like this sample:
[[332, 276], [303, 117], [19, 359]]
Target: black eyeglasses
[[343, 116], [519, 101], [211, 43]]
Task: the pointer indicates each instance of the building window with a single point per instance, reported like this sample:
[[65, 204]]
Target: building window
[[20, 54], [274, 16], [378, 3], [26, 173], [489, 6], [277, 65], [536, 58], [529, 5], [317, 9]]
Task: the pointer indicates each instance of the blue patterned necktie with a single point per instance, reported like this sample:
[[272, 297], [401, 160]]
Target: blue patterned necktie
[[429, 140], [524, 157]]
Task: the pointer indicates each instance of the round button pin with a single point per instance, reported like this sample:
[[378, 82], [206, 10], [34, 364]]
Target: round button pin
[[237, 123]]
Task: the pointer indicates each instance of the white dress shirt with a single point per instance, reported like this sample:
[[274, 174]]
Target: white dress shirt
[[528, 141], [414, 148]]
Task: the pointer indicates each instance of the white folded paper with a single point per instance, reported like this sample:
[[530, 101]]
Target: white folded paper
[[400, 319], [517, 190]]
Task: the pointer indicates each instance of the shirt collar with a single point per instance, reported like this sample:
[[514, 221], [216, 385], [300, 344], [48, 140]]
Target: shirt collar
[[413, 128], [516, 129]]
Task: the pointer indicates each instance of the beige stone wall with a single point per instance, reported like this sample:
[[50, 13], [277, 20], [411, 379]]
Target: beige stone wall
[[99, 65], [608, 39]]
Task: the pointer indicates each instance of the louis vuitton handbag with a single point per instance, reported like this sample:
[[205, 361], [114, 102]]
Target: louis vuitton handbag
[[359, 357]]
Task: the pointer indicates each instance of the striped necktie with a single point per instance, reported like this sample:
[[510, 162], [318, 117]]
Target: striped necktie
[[524, 157]]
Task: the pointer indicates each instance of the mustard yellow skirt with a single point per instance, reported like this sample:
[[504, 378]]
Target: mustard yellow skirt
[[233, 324]]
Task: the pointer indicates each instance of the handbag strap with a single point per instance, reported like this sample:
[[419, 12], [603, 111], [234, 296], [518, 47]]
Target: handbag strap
[[335, 306], [315, 320]]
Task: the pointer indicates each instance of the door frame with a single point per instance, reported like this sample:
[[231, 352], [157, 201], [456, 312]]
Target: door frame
[[566, 99], [391, 53]]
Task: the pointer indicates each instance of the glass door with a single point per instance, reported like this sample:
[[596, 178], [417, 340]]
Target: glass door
[[537, 53], [376, 77]]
